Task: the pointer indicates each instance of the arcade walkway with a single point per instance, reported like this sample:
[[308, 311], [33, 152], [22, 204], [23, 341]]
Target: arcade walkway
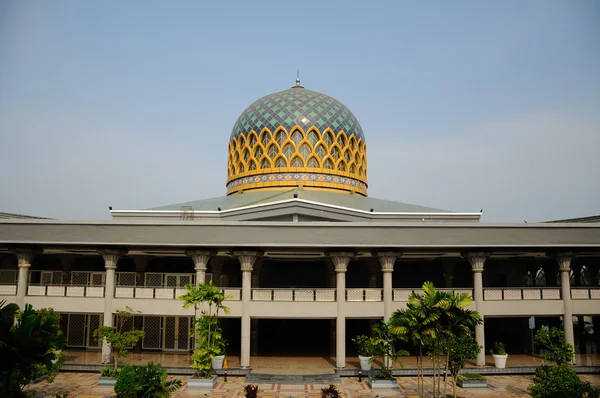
[[290, 364], [85, 385]]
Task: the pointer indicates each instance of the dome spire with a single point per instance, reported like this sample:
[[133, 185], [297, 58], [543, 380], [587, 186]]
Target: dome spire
[[298, 80]]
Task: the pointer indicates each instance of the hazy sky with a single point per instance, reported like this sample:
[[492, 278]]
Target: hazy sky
[[465, 104]]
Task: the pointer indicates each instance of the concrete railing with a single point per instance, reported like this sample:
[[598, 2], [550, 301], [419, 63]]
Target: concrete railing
[[8, 290], [293, 295], [517, 293], [65, 291], [585, 293], [163, 293], [403, 294], [364, 294]]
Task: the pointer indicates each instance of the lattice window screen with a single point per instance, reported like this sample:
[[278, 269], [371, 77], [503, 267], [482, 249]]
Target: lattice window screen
[[153, 279], [185, 280], [76, 330], [184, 333], [169, 333], [97, 279], [208, 277], [126, 278], [79, 278], [8, 276], [171, 281], [152, 328], [95, 322]]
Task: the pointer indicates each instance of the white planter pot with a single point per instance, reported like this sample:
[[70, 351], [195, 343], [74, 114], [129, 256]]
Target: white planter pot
[[217, 362], [500, 361], [383, 384], [107, 381], [202, 383], [365, 362]]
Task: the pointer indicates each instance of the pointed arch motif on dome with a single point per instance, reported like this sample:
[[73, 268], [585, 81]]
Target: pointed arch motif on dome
[[313, 162], [347, 155], [352, 168], [252, 139], [353, 143], [265, 137], [296, 161], [328, 137], [281, 137], [258, 151], [280, 162], [313, 137], [328, 163], [241, 141], [297, 136], [273, 150], [341, 139], [321, 151], [304, 150], [265, 163], [335, 152], [342, 166], [288, 150]]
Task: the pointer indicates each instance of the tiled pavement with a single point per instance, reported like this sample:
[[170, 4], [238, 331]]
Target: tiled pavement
[[85, 385]]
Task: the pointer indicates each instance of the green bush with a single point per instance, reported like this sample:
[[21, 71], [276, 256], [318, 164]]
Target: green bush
[[107, 371], [145, 382], [554, 346], [498, 349], [559, 382]]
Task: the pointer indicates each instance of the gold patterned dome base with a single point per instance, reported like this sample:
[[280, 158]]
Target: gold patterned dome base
[[294, 158]]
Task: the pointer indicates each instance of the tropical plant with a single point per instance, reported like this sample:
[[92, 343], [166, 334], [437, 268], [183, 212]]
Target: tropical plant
[[145, 382], [428, 319], [119, 340], [107, 371], [330, 391], [30, 342], [499, 348], [554, 346], [384, 346], [459, 348], [209, 336], [560, 381], [251, 391], [365, 345]]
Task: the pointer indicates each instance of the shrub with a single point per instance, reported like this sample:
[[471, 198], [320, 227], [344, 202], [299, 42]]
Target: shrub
[[498, 349], [383, 374], [330, 392], [107, 371], [558, 382], [145, 382], [251, 391], [554, 346], [365, 345]]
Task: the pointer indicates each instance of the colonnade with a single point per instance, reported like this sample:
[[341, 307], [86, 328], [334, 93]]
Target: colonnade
[[340, 261]]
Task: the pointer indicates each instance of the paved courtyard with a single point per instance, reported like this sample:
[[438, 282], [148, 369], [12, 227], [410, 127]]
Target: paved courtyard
[[85, 385]]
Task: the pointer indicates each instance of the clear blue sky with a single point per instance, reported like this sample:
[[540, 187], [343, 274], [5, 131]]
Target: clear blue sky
[[465, 104]]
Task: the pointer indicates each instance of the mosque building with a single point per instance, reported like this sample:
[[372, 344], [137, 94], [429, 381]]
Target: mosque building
[[308, 258]]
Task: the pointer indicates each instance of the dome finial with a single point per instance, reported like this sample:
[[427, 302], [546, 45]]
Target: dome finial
[[298, 78]]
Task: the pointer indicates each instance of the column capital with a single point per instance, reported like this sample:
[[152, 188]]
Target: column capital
[[340, 261], [477, 260], [387, 260], [247, 259], [563, 259], [111, 257], [200, 258], [25, 256]]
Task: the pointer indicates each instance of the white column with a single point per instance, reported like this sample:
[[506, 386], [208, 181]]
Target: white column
[[110, 263], [340, 262], [200, 259], [564, 265], [387, 261], [477, 261], [25, 258], [246, 260]]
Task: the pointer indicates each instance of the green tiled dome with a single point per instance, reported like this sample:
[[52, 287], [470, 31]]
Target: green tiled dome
[[297, 106]]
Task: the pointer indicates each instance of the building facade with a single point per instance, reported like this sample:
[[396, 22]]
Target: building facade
[[300, 248]]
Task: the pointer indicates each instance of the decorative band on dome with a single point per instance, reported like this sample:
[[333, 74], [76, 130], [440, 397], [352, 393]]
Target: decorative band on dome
[[295, 179]]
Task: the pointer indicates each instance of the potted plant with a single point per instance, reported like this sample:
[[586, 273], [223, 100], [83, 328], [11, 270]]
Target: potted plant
[[119, 341], [471, 380], [365, 347], [384, 345], [499, 354], [209, 352]]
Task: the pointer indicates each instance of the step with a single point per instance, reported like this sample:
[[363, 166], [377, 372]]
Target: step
[[263, 378]]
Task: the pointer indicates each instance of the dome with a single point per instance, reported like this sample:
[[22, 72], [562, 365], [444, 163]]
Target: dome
[[297, 137]]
